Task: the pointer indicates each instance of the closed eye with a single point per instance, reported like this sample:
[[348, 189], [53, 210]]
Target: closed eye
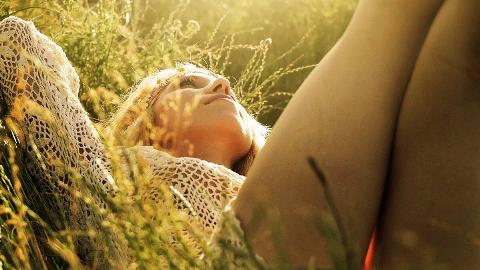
[[192, 81], [187, 82]]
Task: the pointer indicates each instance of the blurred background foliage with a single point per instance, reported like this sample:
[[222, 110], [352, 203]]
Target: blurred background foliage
[[115, 43]]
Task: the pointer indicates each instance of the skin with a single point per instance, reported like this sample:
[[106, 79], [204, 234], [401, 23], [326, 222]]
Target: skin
[[200, 121], [394, 63], [430, 217], [348, 105]]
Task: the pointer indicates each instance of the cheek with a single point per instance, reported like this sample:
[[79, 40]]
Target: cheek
[[174, 111], [223, 119], [164, 114]]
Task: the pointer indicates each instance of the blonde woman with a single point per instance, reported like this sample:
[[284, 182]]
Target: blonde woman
[[393, 106], [185, 112]]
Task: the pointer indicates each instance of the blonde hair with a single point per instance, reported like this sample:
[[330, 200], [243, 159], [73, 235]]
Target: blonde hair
[[133, 124]]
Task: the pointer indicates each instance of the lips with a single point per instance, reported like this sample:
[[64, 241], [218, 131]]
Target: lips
[[215, 97]]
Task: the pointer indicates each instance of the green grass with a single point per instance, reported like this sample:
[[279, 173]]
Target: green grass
[[265, 48]]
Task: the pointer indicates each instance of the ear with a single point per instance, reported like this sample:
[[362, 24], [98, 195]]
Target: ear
[[153, 96], [155, 90]]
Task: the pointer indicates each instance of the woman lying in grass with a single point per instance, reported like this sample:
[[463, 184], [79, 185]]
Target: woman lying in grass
[[390, 115]]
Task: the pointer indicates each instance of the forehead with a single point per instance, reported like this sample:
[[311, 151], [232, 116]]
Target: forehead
[[192, 70], [166, 77]]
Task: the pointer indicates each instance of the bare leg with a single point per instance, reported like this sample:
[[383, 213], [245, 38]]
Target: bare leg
[[431, 214], [344, 116]]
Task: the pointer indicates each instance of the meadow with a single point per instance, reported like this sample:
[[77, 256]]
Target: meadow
[[265, 48]]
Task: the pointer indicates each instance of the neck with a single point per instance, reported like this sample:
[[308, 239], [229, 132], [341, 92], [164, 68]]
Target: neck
[[217, 152]]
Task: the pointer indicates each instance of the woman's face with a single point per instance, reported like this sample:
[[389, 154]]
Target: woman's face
[[199, 109]]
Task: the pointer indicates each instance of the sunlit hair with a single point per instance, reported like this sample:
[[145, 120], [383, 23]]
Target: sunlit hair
[[132, 124]]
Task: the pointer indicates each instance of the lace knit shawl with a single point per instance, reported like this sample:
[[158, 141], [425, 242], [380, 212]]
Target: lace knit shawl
[[34, 67]]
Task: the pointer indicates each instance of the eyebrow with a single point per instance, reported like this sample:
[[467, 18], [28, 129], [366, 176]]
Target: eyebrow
[[169, 82], [206, 72], [194, 75]]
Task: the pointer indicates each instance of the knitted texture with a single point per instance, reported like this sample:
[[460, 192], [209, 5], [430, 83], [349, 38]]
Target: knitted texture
[[40, 89], [204, 187]]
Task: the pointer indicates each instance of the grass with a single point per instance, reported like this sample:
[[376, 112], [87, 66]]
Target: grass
[[114, 44]]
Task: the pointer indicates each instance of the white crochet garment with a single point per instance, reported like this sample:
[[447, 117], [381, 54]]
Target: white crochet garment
[[35, 68], [51, 82], [206, 186]]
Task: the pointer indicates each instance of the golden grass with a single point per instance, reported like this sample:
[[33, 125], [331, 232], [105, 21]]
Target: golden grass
[[112, 45]]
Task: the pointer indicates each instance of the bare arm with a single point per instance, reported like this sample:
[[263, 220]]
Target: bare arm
[[343, 116]]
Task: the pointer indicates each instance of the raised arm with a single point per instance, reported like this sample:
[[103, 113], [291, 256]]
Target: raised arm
[[39, 88], [344, 116]]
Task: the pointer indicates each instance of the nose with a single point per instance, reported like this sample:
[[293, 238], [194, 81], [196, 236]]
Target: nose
[[220, 86]]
